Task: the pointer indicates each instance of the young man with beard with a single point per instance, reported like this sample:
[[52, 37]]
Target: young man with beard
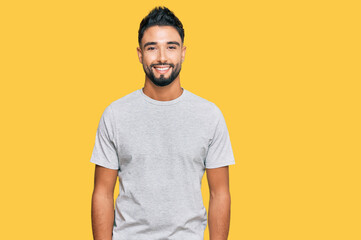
[[159, 140]]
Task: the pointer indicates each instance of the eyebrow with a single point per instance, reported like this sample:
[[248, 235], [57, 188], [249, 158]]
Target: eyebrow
[[155, 43]]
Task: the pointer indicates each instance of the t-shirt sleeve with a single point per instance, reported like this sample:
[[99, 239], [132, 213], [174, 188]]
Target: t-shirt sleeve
[[220, 151], [104, 151]]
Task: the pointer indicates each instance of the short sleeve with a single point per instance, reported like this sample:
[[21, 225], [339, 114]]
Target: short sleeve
[[104, 151], [220, 151]]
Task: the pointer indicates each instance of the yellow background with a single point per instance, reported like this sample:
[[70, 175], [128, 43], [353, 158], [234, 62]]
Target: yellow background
[[286, 75]]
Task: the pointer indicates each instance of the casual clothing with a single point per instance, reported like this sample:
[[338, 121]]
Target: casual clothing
[[161, 150]]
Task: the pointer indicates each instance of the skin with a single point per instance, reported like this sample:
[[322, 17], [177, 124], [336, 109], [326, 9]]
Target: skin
[[102, 209], [219, 209], [163, 50], [158, 47]]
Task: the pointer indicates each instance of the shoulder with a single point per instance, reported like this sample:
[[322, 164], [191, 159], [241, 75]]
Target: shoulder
[[203, 106], [120, 106], [127, 100], [124, 104]]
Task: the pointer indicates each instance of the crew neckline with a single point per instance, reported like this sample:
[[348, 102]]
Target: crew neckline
[[162, 103]]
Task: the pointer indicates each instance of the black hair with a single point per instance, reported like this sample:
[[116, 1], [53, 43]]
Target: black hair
[[160, 16]]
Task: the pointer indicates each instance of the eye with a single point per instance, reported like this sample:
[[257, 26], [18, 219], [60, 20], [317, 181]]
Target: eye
[[172, 47], [151, 48]]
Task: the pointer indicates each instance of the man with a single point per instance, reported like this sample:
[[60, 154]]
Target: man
[[159, 140]]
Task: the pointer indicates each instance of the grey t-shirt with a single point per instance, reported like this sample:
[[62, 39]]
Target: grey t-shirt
[[161, 150]]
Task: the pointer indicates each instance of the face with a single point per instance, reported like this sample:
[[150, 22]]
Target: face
[[162, 54]]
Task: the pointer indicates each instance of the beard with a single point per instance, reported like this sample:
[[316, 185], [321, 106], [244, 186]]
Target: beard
[[162, 81]]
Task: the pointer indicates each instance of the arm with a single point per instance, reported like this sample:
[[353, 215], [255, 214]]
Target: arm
[[219, 212], [102, 211]]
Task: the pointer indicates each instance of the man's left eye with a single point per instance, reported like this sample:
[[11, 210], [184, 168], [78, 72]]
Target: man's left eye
[[171, 47]]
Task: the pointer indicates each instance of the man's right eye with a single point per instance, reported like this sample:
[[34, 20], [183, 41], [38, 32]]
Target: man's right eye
[[150, 48]]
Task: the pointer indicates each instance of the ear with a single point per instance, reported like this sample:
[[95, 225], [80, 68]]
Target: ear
[[140, 54], [184, 48]]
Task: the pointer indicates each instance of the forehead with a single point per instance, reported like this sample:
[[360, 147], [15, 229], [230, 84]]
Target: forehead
[[161, 34]]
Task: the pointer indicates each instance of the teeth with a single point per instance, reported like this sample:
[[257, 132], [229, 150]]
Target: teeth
[[162, 69]]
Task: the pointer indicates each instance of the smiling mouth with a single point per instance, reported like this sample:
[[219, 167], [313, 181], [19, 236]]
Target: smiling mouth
[[162, 70]]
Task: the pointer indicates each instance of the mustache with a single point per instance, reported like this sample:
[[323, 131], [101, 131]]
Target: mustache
[[162, 64]]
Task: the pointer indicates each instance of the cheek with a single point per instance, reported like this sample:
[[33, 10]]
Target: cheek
[[179, 57], [175, 58], [149, 58]]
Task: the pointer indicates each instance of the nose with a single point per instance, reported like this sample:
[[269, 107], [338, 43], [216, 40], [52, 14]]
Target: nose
[[162, 55]]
